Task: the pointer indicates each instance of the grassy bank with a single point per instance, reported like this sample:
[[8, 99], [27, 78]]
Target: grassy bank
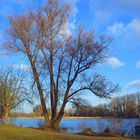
[[11, 132]]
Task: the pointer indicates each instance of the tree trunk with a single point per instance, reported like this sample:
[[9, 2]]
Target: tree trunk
[[6, 117], [52, 97], [42, 100], [59, 117]]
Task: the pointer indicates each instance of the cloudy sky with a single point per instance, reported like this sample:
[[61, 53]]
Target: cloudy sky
[[120, 19]]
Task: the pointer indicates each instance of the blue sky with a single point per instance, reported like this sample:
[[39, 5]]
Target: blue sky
[[119, 19]]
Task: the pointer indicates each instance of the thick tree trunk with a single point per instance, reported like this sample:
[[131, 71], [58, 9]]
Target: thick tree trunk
[[42, 100], [52, 97], [59, 117], [56, 101], [6, 117]]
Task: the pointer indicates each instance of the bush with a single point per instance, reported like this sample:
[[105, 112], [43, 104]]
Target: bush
[[107, 131], [88, 131], [63, 129]]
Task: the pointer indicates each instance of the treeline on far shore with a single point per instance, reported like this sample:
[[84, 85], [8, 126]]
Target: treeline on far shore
[[24, 115], [127, 106]]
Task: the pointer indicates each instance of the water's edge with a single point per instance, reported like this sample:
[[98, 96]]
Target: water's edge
[[78, 124]]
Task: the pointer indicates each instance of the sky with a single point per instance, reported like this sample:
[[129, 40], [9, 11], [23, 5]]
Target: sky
[[119, 19]]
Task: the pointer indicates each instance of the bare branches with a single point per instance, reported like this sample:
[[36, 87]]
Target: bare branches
[[12, 90], [84, 52], [99, 86]]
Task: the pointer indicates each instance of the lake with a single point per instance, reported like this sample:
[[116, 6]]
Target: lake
[[77, 125]]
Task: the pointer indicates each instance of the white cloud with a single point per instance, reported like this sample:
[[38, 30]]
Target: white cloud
[[129, 32], [70, 25], [134, 84], [138, 64], [134, 27], [22, 67], [116, 29], [114, 62]]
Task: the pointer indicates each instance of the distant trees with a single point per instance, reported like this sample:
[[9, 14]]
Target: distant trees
[[123, 106], [101, 110], [84, 110], [38, 109], [59, 61], [126, 106], [12, 91]]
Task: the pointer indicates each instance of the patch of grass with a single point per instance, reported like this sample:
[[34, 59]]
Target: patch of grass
[[11, 132]]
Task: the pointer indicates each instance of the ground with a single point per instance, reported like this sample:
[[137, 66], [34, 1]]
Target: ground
[[11, 132]]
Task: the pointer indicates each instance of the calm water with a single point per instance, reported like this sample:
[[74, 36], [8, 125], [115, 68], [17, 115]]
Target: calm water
[[76, 125]]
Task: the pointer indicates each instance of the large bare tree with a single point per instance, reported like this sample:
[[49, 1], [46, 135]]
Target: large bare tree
[[59, 61]]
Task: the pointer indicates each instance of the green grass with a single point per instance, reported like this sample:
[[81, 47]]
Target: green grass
[[11, 132]]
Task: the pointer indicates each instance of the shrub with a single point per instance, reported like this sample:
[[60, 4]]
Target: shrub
[[107, 131], [88, 131]]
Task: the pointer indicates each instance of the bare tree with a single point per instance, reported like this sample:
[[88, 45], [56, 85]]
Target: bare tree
[[58, 61], [12, 91]]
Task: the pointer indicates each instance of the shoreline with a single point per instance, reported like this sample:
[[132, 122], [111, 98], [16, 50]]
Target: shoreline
[[63, 117], [76, 117], [12, 131]]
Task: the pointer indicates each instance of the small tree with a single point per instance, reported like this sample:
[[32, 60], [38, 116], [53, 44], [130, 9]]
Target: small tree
[[12, 91], [59, 61]]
